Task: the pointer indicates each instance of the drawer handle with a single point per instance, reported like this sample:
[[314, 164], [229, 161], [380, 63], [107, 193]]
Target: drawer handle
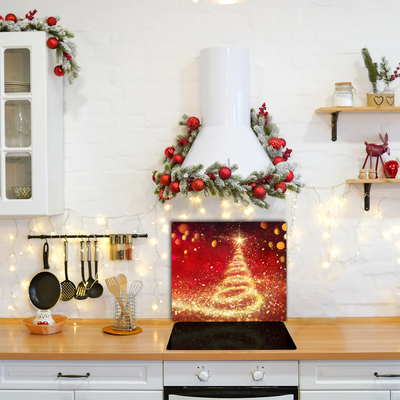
[[60, 375], [386, 376]]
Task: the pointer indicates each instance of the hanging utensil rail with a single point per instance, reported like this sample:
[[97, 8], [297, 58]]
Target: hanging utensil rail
[[134, 236]]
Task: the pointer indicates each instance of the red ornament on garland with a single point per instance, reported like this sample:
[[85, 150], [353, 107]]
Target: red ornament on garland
[[52, 43], [283, 142], [51, 21], [162, 196], [177, 159], [169, 151], [211, 176], [11, 17], [282, 186], [154, 179], [253, 185], [198, 185], [174, 187], [58, 70], [193, 123], [1, 18], [259, 192], [165, 179], [224, 173], [277, 160], [391, 168], [290, 177], [275, 143], [67, 56]]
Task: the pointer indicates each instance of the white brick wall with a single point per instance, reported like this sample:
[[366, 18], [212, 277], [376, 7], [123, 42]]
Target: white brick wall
[[139, 74]]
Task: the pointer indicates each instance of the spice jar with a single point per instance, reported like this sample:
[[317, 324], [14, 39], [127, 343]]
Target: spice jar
[[113, 247], [128, 247], [343, 95], [120, 247]]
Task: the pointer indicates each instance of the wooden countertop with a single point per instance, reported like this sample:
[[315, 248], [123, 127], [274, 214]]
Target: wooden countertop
[[315, 338]]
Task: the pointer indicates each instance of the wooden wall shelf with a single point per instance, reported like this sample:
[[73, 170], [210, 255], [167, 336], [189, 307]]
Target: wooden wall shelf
[[367, 187], [335, 111]]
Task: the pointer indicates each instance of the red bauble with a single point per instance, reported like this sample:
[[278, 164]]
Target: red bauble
[[67, 56], [58, 70], [275, 143], [177, 159], [289, 177], [162, 196], [283, 142], [259, 192], [193, 123], [391, 168], [225, 173], [169, 151], [52, 43], [154, 179], [165, 179], [277, 160], [174, 187], [253, 185], [198, 185], [51, 21], [11, 17], [281, 185], [1, 18]]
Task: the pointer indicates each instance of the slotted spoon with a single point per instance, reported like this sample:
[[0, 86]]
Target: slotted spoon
[[68, 288]]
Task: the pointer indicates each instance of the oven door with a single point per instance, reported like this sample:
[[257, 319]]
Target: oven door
[[248, 393]]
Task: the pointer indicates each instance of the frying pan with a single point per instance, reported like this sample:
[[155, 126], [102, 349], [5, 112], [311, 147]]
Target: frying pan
[[45, 288]]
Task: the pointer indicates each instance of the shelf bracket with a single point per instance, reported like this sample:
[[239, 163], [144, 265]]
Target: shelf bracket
[[335, 117], [367, 190]]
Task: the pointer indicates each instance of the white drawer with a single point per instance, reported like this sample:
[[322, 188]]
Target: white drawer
[[349, 375], [234, 373], [35, 395], [345, 395], [118, 395], [122, 375]]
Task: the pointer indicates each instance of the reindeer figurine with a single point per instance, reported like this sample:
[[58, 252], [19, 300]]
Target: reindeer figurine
[[376, 150]]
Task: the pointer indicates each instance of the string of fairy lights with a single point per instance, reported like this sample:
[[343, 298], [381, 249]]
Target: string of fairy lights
[[153, 253]]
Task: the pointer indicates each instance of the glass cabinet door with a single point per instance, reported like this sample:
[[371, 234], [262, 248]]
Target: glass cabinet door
[[31, 127], [16, 132]]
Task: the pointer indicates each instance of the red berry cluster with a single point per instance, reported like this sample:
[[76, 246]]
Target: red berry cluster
[[183, 141], [30, 15], [396, 73], [265, 179], [211, 176], [262, 112], [189, 184], [286, 154]]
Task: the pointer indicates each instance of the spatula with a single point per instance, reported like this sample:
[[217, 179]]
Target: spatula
[[123, 284], [68, 287], [115, 290]]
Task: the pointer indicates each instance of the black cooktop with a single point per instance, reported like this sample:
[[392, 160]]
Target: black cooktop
[[265, 335]]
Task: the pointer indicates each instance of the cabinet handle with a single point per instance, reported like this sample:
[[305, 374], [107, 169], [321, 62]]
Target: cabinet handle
[[60, 375], [386, 376]]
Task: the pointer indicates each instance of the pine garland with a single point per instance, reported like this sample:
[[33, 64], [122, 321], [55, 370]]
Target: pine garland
[[237, 187], [66, 51]]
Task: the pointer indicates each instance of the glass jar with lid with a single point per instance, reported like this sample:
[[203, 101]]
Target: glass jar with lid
[[343, 95]]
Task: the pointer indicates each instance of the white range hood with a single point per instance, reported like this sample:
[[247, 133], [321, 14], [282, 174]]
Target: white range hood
[[226, 135]]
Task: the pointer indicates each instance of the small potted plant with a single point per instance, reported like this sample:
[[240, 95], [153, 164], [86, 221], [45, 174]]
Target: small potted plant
[[377, 73]]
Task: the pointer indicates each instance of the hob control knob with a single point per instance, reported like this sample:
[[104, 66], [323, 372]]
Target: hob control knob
[[204, 375], [257, 375]]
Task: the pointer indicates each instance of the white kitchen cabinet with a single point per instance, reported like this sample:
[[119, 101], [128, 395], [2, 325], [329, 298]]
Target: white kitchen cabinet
[[35, 395], [83, 380], [345, 380], [31, 127]]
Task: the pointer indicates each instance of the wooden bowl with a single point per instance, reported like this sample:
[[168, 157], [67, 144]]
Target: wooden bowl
[[60, 321]]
